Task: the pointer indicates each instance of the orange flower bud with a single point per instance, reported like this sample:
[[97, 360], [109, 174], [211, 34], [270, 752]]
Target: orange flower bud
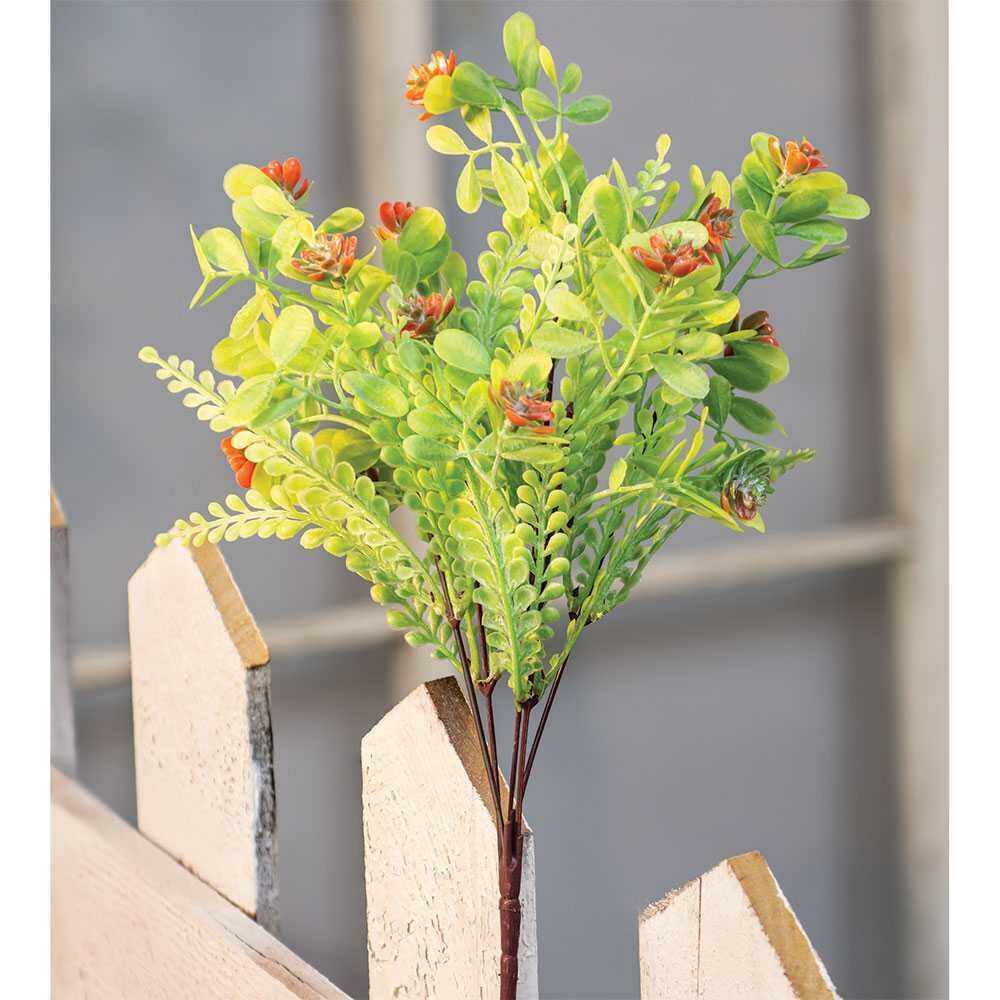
[[420, 75]]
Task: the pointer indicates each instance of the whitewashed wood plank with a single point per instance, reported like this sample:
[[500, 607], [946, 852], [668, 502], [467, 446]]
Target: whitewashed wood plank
[[430, 856], [129, 922], [201, 712], [729, 933]]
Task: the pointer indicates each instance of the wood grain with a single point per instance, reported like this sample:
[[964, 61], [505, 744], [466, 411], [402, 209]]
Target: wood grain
[[129, 922], [202, 719], [729, 933], [430, 856], [62, 733]]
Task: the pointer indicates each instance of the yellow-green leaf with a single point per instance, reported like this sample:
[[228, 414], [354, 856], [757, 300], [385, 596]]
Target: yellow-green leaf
[[510, 186]]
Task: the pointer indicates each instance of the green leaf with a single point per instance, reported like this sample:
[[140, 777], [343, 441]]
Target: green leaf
[[538, 454], [250, 216], [588, 110], [617, 475], [760, 235], [719, 399], [344, 220], [745, 372], [446, 141], [682, 376], [251, 397], [849, 206], [431, 421], [462, 351], [406, 272], [471, 84], [611, 213], [438, 95], [223, 248], [558, 342], [239, 181], [826, 182], [754, 416], [246, 317], [290, 333], [268, 198], [521, 48], [468, 190], [759, 143], [479, 121], [423, 230], [454, 274], [613, 294], [818, 231], [278, 410], [567, 305], [571, 79], [801, 205], [537, 105], [772, 359], [510, 185], [376, 393], [427, 451], [530, 365]]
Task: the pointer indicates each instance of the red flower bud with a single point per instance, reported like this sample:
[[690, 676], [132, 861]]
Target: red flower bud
[[394, 216], [421, 75], [291, 171], [238, 462], [525, 408], [424, 315]]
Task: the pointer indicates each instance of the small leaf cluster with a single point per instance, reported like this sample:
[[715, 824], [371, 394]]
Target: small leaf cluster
[[588, 390]]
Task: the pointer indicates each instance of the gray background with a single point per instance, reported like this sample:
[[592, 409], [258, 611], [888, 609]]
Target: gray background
[[731, 719]]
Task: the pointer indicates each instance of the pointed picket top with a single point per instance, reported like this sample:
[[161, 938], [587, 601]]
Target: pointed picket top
[[731, 932], [430, 856], [202, 720]]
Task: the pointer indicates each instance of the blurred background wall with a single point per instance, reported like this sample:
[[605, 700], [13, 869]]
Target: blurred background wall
[[731, 713]]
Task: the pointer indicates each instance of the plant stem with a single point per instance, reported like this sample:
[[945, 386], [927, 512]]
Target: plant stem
[[541, 724]]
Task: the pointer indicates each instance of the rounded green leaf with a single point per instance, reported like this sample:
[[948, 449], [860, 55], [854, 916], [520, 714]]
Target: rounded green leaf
[[818, 231], [530, 365], [270, 199], [223, 248], [438, 96], [250, 399], [520, 45], [344, 220], [571, 79], [617, 475], [567, 305], [754, 416], [239, 181], [423, 230], [826, 181], [432, 422], [613, 294], [772, 359], [801, 205], [446, 140], [250, 216], [246, 317], [537, 105], [462, 351], [290, 333], [719, 399], [611, 213], [588, 110], [427, 451], [471, 84], [510, 185], [744, 372], [682, 376], [849, 206], [760, 235], [558, 342], [454, 273], [468, 190], [376, 393]]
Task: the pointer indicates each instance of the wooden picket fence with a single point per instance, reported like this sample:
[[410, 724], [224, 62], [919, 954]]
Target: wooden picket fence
[[186, 906]]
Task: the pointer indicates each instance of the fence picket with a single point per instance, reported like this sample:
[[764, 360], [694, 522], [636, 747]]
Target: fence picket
[[728, 933], [62, 733], [430, 856], [202, 718]]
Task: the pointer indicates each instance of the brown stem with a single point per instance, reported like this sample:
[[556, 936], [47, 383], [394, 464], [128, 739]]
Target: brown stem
[[541, 723], [463, 655], [510, 862]]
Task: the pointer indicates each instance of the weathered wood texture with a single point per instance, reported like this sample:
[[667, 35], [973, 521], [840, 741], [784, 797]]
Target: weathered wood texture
[[128, 922], [729, 933], [202, 718], [430, 856], [62, 732]]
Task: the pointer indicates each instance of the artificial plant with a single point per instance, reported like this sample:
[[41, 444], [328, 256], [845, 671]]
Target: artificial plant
[[550, 423]]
